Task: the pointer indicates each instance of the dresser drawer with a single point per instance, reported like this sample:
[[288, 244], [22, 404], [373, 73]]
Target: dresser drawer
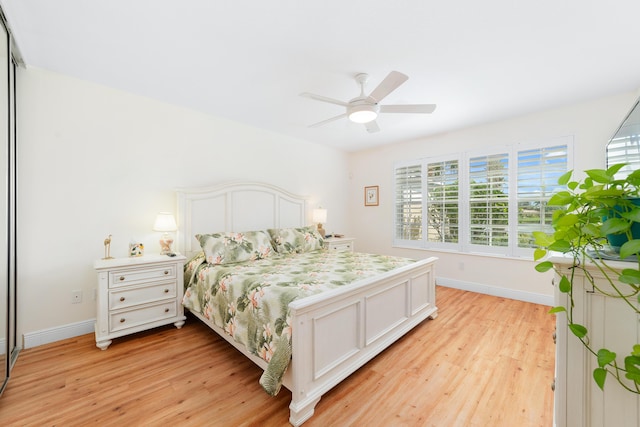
[[127, 297], [139, 316], [141, 275]]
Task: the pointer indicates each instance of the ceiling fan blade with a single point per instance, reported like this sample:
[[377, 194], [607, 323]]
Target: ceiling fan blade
[[324, 122], [372, 126], [324, 99], [390, 83], [408, 108]]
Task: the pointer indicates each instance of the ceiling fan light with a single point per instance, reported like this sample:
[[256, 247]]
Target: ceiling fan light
[[362, 114]]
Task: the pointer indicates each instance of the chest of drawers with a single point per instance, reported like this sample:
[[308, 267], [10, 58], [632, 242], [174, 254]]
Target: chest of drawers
[[135, 294]]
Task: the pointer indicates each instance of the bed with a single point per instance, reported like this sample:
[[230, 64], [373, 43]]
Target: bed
[[384, 299]]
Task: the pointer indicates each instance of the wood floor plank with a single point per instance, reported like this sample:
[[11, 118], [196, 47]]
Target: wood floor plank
[[484, 361]]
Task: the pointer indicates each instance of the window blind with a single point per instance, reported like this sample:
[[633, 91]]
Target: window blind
[[489, 200], [442, 201], [537, 179], [408, 202]]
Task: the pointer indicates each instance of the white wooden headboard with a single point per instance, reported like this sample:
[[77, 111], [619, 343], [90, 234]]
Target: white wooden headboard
[[235, 206]]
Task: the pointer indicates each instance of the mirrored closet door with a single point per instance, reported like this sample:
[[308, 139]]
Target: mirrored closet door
[[8, 338]]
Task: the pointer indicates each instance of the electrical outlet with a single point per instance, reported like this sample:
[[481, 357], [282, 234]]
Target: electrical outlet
[[76, 297]]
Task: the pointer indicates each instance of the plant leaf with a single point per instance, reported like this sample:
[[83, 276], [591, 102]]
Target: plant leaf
[[612, 170], [565, 285], [542, 238], [544, 266], [539, 254], [558, 309], [614, 226], [561, 198], [560, 246], [630, 276], [565, 177], [605, 357], [578, 330], [599, 175], [630, 247], [567, 220], [599, 375]]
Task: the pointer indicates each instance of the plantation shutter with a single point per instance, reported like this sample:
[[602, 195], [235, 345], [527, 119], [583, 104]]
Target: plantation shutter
[[537, 179], [408, 202], [489, 200], [624, 149], [442, 201]]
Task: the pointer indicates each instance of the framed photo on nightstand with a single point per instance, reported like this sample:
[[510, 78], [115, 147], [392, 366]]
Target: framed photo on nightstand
[[371, 195]]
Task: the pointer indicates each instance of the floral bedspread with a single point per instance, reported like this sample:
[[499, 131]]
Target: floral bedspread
[[250, 300]]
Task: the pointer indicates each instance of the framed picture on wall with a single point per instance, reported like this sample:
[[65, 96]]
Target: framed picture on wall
[[371, 196]]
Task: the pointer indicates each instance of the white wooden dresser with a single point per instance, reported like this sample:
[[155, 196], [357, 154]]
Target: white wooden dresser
[[578, 400], [139, 293]]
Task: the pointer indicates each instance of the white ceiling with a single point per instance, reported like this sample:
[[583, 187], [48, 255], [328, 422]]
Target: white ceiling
[[479, 61]]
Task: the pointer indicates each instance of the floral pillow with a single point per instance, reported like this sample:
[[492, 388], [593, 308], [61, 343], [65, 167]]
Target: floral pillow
[[296, 240], [229, 248]]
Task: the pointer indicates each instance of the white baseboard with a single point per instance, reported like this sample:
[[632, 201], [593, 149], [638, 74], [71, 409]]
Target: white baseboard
[[46, 336], [496, 291]]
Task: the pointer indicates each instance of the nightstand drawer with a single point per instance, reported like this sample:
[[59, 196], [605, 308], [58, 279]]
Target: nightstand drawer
[[141, 275], [140, 316], [127, 297], [346, 247]]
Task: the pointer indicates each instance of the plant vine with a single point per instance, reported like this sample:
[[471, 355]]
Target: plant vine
[[585, 214]]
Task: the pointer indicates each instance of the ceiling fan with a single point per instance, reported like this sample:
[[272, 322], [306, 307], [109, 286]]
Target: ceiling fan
[[365, 109]]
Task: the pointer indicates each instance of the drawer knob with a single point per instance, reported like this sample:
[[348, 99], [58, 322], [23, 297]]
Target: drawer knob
[[121, 299], [122, 320], [166, 291], [121, 278], [166, 272], [166, 310]]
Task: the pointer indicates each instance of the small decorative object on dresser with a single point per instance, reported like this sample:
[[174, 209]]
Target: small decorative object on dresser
[[107, 248], [136, 249], [139, 293], [371, 196], [344, 244]]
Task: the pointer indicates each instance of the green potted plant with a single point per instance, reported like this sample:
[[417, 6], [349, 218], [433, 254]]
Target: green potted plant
[[586, 213]]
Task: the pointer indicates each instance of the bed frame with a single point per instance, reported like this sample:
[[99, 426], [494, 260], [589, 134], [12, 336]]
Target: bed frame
[[369, 315]]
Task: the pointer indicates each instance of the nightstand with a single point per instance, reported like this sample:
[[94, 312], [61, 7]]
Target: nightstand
[[345, 244], [139, 293]]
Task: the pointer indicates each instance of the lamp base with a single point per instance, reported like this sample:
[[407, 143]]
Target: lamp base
[[165, 244], [321, 230]]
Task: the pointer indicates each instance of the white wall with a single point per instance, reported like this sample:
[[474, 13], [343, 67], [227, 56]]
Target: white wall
[[95, 161], [591, 124]]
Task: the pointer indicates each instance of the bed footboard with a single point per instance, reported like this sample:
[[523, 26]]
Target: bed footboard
[[336, 333]]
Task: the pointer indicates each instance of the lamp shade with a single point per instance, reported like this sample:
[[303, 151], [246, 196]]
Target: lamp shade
[[165, 222], [320, 215]]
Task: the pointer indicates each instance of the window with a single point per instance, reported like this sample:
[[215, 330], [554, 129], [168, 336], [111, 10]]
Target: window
[[442, 201], [408, 203], [538, 173], [489, 201]]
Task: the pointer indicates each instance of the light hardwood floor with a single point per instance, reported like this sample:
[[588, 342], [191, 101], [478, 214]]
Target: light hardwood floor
[[485, 361]]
